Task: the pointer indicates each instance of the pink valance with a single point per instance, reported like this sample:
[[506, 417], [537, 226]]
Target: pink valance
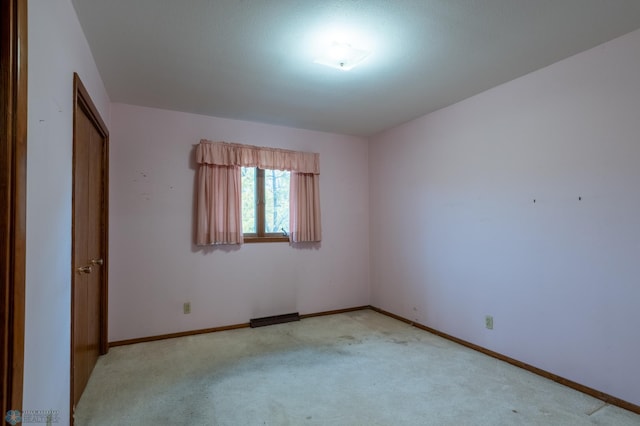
[[233, 154]]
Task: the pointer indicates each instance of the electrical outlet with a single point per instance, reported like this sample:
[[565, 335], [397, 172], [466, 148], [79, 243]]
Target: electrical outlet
[[187, 307], [488, 322]]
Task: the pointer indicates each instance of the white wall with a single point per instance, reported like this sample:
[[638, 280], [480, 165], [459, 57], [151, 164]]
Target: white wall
[[57, 48], [455, 234], [154, 265]]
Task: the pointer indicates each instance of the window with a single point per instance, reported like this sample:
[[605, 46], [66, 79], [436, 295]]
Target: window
[[283, 190], [265, 204]]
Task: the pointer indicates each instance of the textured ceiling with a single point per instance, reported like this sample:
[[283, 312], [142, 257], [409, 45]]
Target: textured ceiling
[[253, 59]]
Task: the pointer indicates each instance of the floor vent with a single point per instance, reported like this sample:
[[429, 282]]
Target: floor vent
[[276, 319]]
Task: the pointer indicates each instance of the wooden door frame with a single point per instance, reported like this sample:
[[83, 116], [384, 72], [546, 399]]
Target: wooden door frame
[[82, 100], [13, 196]]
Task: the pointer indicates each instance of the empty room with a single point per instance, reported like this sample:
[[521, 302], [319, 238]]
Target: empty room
[[341, 212]]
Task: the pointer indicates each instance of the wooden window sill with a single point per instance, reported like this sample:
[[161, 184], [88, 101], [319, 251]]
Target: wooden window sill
[[250, 240]]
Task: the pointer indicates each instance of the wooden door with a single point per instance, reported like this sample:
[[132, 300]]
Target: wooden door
[[13, 199], [89, 263]]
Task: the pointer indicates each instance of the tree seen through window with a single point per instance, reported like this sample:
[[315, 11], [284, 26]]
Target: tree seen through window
[[265, 202]]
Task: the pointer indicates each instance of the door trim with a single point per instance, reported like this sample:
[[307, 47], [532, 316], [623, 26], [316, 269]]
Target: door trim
[[13, 180], [82, 100]]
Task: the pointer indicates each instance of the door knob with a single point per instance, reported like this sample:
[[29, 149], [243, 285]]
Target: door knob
[[85, 269], [97, 262]]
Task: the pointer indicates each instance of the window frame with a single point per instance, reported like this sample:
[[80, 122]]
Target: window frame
[[260, 236]]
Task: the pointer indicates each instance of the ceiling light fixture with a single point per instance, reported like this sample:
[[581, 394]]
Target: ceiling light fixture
[[342, 56]]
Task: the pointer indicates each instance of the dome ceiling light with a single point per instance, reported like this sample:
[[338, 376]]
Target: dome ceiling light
[[342, 56]]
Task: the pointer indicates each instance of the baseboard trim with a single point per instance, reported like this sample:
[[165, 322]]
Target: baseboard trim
[[223, 328], [180, 334], [334, 312], [609, 399]]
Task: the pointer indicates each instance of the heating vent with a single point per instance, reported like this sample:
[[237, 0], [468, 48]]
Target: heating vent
[[276, 319]]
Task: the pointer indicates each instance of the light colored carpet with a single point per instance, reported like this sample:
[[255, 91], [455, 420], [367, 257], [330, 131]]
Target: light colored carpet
[[358, 368]]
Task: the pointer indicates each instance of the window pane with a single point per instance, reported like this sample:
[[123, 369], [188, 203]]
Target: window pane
[[249, 200], [276, 207]]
